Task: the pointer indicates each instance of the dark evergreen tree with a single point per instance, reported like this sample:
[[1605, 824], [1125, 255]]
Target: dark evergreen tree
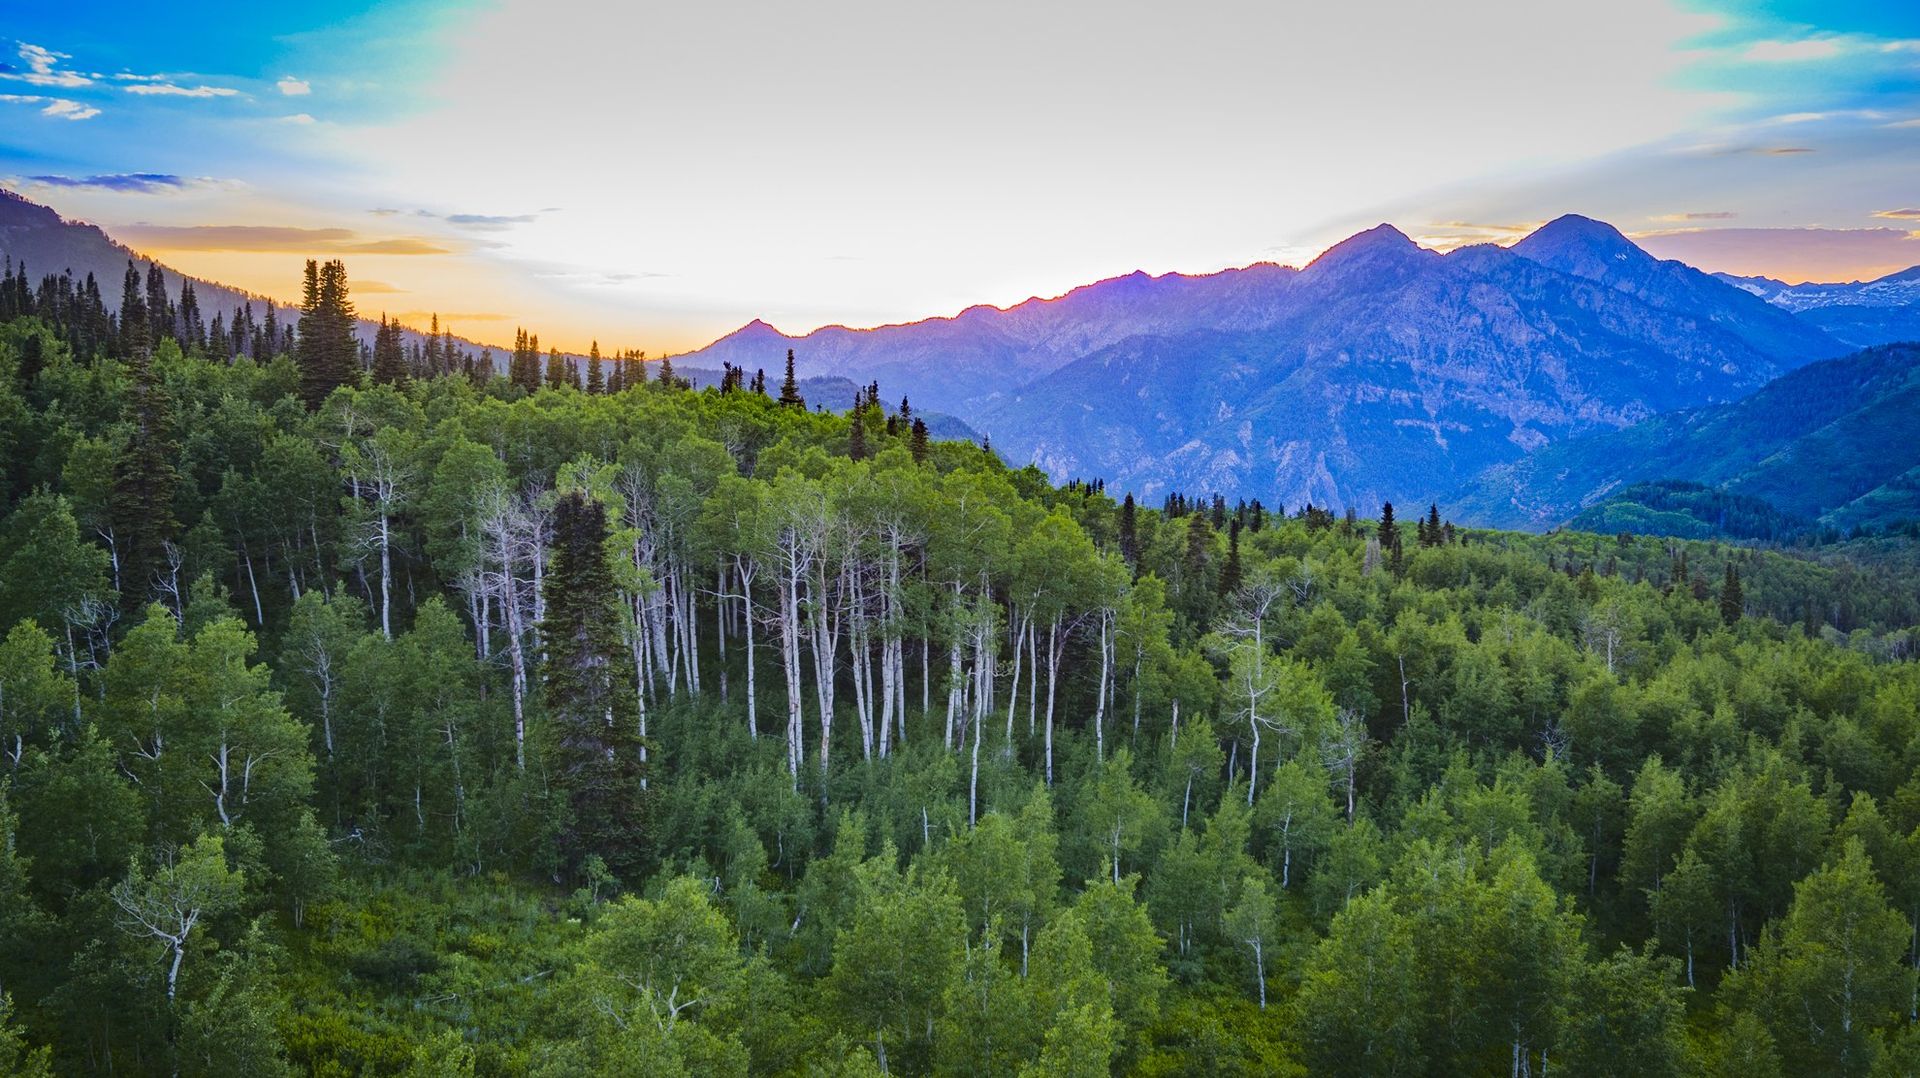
[[789, 388], [666, 377], [1130, 531], [160, 321], [327, 352], [389, 364], [556, 369], [193, 331], [857, 430], [760, 381], [596, 753], [1434, 536], [133, 314], [1733, 601], [596, 373], [32, 359], [1230, 572], [918, 444], [143, 484], [263, 346]]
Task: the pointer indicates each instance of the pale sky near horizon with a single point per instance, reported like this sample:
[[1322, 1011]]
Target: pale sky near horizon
[[654, 175]]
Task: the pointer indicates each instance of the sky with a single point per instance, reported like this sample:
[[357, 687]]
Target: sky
[[654, 175]]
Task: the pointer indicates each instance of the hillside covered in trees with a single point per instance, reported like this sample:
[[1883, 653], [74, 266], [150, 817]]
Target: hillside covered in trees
[[363, 717]]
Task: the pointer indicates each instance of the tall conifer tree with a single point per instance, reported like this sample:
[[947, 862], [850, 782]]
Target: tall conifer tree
[[590, 706]]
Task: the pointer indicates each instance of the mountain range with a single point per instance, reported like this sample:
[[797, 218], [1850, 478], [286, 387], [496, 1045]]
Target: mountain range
[[1380, 371], [1860, 313], [1569, 377]]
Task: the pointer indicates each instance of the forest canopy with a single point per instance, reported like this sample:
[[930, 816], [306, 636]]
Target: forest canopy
[[375, 710]]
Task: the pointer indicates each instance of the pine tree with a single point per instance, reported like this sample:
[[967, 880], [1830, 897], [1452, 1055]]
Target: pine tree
[[1434, 536], [143, 484], [760, 381], [1732, 599], [596, 375], [160, 320], [1230, 572], [857, 431], [1130, 530], [666, 377], [133, 314], [268, 340], [789, 388], [556, 369], [596, 754], [918, 444], [327, 351], [389, 364]]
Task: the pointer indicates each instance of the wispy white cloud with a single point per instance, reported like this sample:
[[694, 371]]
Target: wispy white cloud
[[168, 89], [1822, 47], [293, 87], [299, 118], [57, 107], [43, 69]]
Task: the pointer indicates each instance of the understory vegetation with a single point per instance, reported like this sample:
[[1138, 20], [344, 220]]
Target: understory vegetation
[[380, 714]]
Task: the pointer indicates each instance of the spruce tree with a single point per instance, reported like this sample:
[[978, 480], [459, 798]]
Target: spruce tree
[[857, 431], [918, 444], [593, 720], [327, 351], [160, 320], [556, 369], [596, 375], [1230, 572], [1389, 532], [389, 364], [1732, 598], [1434, 536], [666, 377], [1130, 531], [789, 388], [143, 484], [133, 314]]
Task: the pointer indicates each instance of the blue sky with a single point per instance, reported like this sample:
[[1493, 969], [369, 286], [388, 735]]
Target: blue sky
[[654, 175]]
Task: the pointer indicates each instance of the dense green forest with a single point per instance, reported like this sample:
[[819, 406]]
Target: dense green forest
[[375, 713]]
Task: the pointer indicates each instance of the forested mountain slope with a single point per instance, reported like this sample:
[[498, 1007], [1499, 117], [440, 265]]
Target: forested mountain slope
[[1836, 442], [383, 722]]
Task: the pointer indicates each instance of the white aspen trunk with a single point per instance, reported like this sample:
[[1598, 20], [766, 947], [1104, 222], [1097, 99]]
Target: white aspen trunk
[[1053, 676], [516, 653], [1033, 680], [691, 598], [790, 661], [1013, 686], [720, 609], [253, 585], [386, 575], [1100, 698]]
